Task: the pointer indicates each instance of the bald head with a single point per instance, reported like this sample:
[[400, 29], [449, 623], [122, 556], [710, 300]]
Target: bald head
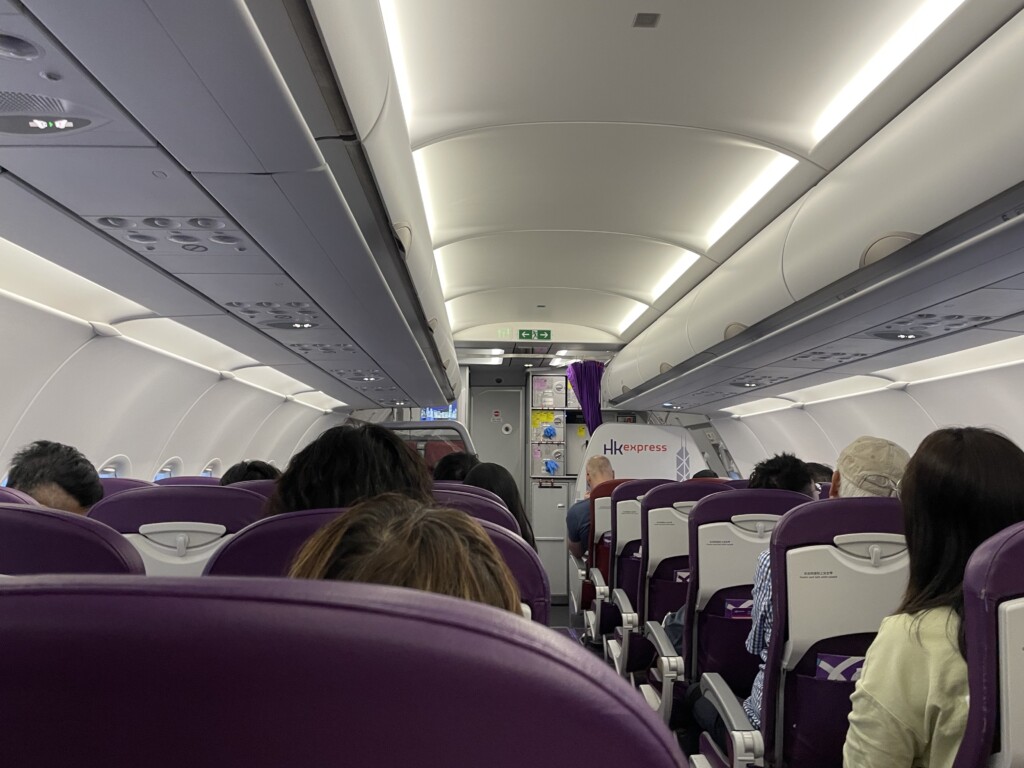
[[599, 470]]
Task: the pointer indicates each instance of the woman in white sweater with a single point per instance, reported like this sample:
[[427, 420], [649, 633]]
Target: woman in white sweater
[[910, 706]]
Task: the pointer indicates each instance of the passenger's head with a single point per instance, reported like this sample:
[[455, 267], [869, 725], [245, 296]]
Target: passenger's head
[[961, 486], [57, 476], [820, 473], [869, 466], [702, 474], [455, 466], [250, 470], [346, 465], [599, 470], [785, 472], [498, 480], [395, 540]]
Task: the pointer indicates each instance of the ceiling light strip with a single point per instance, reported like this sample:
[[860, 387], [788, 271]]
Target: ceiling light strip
[[775, 171]]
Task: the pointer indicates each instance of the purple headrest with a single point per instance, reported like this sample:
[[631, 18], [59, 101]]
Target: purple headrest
[[263, 487], [818, 522], [268, 546], [112, 485], [738, 484], [40, 540], [189, 480], [667, 494], [14, 496], [993, 575], [279, 659], [231, 507], [823, 490], [478, 507], [526, 567], [722, 508], [634, 489], [463, 488]]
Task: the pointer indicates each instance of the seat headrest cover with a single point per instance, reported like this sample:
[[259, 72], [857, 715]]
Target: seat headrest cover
[[231, 507], [405, 677], [667, 494]]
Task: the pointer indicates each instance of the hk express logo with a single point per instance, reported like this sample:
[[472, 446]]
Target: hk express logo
[[615, 448]]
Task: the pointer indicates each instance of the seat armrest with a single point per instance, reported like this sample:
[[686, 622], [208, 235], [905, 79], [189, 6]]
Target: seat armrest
[[746, 744], [699, 761], [579, 563], [621, 601], [660, 639], [718, 692], [600, 588]]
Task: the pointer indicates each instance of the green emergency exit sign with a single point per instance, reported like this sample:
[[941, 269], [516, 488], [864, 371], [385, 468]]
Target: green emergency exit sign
[[525, 335]]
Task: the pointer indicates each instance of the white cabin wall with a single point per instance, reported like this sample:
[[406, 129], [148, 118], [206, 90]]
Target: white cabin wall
[[820, 430], [111, 396]]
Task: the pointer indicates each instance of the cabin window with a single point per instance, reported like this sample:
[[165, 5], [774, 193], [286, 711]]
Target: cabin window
[[116, 466], [212, 468], [169, 468], [108, 471]]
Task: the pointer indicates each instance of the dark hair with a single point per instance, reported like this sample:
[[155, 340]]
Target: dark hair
[[394, 540], [783, 471], [821, 473], [250, 470], [45, 462], [496, 479], [454, 466], [346, 465], [701, 473], [962, 485]]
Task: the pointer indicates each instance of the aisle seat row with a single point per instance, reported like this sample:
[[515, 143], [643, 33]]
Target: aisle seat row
[[192, 530]]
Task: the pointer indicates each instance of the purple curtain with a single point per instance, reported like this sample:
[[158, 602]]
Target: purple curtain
[[585, 378]]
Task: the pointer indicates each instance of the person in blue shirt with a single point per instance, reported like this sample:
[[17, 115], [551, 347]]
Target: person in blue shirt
[[577, 519]]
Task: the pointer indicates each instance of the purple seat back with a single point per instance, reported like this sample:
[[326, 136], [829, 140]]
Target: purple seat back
[[993, 576], [526, 567], [824, 489], [814, 712], [231, 507], [737, 484], [449, 485], [278, 659], [14, 496], [478, 507], [112, 485], [660, 591], [626, 518], [715, 637], [268, 546], [40, 540], [188, 480], [263, 487]]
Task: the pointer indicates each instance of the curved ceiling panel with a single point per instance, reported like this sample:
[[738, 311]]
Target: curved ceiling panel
[[540, 307], [741, 68], [608, 262], [670, 184]]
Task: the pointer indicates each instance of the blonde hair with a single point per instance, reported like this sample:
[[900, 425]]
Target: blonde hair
[[395, 540]]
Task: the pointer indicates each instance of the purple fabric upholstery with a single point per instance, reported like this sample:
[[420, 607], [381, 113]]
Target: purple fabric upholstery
[[526, 567], [112, 485], [737, 484], [271, 673], [585, 379], [268, 546], [40, 540], [189, 480], [478, 507], [447, 485], [993, 576], [720, 640], [824, 489], [629, 491], [232, 507], [14, 496], [263, 486], [666, 595], [814, 523]]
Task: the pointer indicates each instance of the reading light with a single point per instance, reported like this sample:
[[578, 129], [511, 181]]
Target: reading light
[[631, 317], [749, 384], [687, 260], [527, 365], [748, 198], [914, 31], [906, 335]]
